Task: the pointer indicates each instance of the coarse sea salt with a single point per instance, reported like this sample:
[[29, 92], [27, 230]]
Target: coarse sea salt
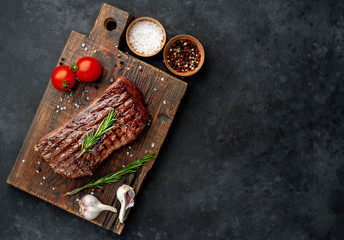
[[146, 37]]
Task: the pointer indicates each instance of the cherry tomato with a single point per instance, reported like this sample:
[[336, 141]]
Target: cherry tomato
[[87, 69], [63, 78]]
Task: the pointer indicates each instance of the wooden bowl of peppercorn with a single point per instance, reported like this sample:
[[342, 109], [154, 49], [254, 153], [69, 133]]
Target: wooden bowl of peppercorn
[[184, 55]]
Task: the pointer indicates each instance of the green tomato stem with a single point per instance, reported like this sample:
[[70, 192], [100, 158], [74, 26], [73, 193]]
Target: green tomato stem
[[74, 67]]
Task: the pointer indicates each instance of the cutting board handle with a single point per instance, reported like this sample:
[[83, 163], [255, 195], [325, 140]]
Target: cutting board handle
[[110, 25]]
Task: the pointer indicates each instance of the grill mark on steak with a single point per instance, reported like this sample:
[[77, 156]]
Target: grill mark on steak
[[61, 147], [78, 134], [129, 117], [78, 138]]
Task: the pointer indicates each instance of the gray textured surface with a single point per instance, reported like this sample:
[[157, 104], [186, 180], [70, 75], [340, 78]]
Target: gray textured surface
[[256, 150]]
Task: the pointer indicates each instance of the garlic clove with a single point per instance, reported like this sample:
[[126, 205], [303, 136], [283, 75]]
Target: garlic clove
[[91, 207], [125, 195]]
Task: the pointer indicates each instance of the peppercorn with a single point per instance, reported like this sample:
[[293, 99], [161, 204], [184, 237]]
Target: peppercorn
[[183, 56]]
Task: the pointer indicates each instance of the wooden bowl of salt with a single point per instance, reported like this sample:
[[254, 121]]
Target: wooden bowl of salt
[[145, 36]]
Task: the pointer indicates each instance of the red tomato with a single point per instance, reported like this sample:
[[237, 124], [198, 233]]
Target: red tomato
[[63, 78], [87, 69]]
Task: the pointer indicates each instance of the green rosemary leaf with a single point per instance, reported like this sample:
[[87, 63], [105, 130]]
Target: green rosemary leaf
[[114, 177], [91, 139]]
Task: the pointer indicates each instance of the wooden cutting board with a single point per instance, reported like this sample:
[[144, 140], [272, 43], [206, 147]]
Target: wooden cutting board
[[162, 94]]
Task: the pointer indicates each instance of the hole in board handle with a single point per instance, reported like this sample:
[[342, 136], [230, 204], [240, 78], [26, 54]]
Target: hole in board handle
[[110, 24]]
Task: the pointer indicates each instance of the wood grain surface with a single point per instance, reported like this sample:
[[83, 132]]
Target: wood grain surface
[[161, 92]]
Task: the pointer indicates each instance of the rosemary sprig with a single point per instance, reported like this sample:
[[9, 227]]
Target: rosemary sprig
[[94, 137], [114, 177]]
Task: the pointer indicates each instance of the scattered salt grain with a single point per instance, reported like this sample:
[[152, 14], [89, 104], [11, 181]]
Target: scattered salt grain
[[53, 188], [95, 51], [146, 37], [43, 178], [123, 166], [37, 171], [164, 102], [92, 193], [57, 111], [38, 162], [154, 89], [152, 145], [87, 98], [128, 153], [116, 46], [111, 80], [57, 106], [131, 155], [129, 147], [41, 183], [86, 49], [83, 45], [61, 100], [148, 124], [146, 151], [77, 200], [162, 79]]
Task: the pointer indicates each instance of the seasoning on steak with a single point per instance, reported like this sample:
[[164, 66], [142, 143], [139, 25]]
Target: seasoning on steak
[[61, 147]]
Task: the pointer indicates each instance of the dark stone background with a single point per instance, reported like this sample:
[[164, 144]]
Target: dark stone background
[[256, 149]]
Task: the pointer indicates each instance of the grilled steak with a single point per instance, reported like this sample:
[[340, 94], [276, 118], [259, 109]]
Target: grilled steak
[[61, 147]]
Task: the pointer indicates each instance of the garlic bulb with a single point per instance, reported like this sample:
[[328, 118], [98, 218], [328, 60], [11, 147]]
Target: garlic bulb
[[90, 207], [125, 195]]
